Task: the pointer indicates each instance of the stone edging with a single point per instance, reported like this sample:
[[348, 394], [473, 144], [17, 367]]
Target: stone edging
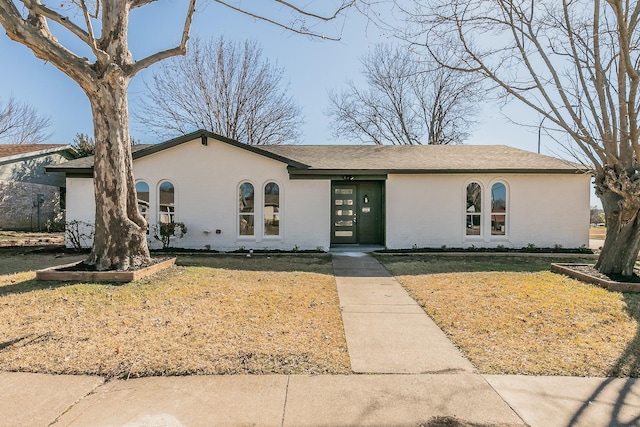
[[587, 278]]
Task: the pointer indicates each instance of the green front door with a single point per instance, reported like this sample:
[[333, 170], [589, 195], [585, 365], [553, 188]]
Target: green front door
[[357, 213]]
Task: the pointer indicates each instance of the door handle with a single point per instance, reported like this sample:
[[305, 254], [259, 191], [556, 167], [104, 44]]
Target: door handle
[[355, 219]]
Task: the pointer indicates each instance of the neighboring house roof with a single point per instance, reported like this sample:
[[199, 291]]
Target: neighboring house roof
[[18, 151], [85, 164], [327, 160]]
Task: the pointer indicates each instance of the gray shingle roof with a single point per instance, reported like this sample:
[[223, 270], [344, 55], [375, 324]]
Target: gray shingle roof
[[375, 159], [421, 158]]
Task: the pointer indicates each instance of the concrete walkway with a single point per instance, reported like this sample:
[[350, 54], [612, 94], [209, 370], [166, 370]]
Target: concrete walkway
[[387, 331], [411, 374]]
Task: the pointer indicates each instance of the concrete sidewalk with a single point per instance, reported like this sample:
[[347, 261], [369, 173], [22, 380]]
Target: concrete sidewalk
[[411, 375], [324, 400]]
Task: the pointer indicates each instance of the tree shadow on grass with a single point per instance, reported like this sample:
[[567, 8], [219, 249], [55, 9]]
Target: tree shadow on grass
[[24, 341], [419, 264], [312, 263], [26, 286], [14, 262], [628, 368]]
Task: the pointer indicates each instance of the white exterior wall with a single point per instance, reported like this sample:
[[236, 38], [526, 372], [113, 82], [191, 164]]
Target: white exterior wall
[[422, 210], [81, 206], [206, 180], [544, 210]]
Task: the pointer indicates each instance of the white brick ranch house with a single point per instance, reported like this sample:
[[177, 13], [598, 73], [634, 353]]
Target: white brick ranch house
[[231, 195]]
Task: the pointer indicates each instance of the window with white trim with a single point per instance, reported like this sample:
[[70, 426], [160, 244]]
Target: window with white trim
[[474, 209], [166, 202], [271, 209], [498, 209], [246, 209], [142, 195]]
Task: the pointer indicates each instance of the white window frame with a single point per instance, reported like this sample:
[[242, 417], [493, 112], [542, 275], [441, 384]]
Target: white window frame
[[280, 211], [240, 214], [172, 214], [507, 209], [466, 215], [148, 215]]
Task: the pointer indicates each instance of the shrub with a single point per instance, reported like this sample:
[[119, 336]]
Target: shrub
[[166, 230], [78, 233]]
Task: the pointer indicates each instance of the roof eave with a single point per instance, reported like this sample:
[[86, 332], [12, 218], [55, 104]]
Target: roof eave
[[356, 172]]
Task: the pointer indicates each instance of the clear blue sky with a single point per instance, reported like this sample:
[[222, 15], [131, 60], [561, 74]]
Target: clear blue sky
[[312, 67]]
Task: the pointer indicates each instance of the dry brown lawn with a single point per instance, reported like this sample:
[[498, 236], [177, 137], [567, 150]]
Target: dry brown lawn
[[280, 314], [525, 322], [210, 315], [12, 261], [27, 238], [597, 233]]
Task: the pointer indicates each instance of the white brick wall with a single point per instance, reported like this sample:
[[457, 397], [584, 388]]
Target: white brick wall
[[422, 210], [544, 210], [206, 180]]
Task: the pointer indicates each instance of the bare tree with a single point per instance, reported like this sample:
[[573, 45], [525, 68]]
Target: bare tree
[[120, 230], [408, 100], [224, 87], [573, 62], [21, 124]]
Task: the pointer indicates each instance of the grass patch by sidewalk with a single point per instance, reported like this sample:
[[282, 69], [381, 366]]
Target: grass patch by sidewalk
[[210, 315], [510, 316]]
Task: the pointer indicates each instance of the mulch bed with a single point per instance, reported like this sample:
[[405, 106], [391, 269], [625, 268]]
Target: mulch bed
[[588, 274], [591, 270]]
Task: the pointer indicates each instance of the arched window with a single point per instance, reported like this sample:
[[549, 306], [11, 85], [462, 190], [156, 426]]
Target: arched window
[[166, 202], [142, 192], [246, 209], [474, 209], [498, 209], [271, 209]]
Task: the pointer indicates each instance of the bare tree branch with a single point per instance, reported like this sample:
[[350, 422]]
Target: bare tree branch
[[21, 124], [181, 49], [408, 102], [36, 7], [301, 27], [223, 87], [34, 33], [91, 39]]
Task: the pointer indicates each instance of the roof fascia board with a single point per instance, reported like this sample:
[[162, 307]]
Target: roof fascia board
[[355, 172], [346, 177]]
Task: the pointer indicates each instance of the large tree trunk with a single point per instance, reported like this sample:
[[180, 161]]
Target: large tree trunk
[[120, 239], [622, 242]]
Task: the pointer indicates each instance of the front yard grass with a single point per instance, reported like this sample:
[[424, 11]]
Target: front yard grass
[[209, 315], [280, 314], [30, 238], [509, 315], [17, 261]]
